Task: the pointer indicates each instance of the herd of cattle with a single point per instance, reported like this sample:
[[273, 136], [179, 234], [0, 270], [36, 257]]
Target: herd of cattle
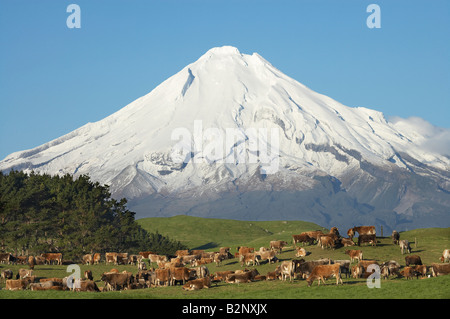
[[189, 268]]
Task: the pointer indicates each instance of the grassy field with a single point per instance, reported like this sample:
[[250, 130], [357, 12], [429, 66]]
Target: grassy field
[[211, 234]]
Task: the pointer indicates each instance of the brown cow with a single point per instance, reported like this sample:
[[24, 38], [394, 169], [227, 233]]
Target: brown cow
[[145, 254], [46, 285], [31, 262], [88, 259], [270, 255], [6, 258], [322, 272], [52, 257], [361, 230], [314, 234], [440, 269], [24, 273], [287, 268], [445, 256], [249, 258], [390, 268], [97, 258], [367, 238], [301, 252], [409, 272], [277, 245], [162, 277], [395, 237], [413, 260], [422, 270], [347, 242], [354, 254], [178, 274], [304, 268], [197, 284], [361, 269], [302, 238], [17, 284], [87, 285], [7, 274], [114, 281], [222, 275], [327, 242], [245, 277]]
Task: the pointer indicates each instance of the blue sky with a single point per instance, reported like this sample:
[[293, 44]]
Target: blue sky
[[54, 79]]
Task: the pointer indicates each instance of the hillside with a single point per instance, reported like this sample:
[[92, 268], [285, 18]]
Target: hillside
[[212, 233]]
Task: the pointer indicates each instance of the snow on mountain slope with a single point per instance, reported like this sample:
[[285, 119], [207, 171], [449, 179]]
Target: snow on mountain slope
[[131, 150]]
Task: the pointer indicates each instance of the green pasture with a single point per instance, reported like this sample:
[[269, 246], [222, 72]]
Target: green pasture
[[211, 234]]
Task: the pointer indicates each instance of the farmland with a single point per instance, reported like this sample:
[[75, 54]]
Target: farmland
[[211, 234]]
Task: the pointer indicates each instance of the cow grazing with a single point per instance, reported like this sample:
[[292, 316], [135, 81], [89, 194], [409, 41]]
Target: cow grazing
[[405, 245], [395, 237], [197, 284], [302, 238], [354, 254], [322, 272], [440, 269], [413, 260], [277, 245], [367, 238], [445, 256]]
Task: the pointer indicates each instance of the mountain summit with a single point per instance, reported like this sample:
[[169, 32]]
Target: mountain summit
[[335, 165]]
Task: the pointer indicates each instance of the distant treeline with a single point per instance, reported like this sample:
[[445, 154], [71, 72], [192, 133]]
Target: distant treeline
[[43, 213]]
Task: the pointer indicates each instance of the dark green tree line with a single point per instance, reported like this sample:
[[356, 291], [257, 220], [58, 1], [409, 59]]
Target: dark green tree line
[[43, 213]]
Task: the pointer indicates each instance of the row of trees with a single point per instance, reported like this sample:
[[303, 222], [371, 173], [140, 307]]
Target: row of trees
[[43, 213]]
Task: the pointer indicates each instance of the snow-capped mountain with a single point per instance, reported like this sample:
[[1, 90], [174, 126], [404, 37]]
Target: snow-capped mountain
[[330, 163]]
